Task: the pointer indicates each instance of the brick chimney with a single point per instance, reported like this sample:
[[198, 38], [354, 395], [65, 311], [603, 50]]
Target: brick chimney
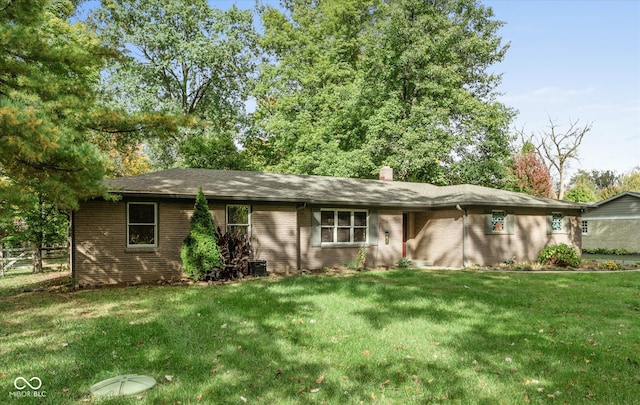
[[386, 173]]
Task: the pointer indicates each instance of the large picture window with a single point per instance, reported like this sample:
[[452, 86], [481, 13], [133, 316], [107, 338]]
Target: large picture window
[[343, 226], [142, 224], [239, 219]]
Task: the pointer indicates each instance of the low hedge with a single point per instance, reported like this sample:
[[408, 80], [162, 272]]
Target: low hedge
[[613, 252]]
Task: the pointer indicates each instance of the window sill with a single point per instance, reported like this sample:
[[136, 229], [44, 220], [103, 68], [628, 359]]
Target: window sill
[[141, 249], [343, 245]]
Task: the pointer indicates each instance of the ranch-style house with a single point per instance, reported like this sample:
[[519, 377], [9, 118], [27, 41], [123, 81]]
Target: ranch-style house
[[301, 222]]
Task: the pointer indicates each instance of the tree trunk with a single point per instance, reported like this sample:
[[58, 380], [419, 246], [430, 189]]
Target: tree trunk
[[1, 261], [561, 186], [37, 257]]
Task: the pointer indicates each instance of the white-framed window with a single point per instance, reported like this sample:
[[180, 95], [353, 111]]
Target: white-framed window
[[498, 221], [585, 227], [344, 226], [239, 219], [556, 222], [142, 224]]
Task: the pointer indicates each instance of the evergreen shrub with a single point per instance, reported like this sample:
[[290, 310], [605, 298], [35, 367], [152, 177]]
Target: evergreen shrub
[[200, 251]]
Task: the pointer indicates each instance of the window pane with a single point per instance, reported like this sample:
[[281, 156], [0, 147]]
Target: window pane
[[556, 222], [237, 230], [142, 213], [497, 221], [326, 218], [327, 234], [141, 234], [344, 218], [238, 214], [360, 235], [344, 234], [359, 219]]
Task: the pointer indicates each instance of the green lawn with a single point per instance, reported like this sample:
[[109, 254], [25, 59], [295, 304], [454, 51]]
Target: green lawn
[[395, 337]]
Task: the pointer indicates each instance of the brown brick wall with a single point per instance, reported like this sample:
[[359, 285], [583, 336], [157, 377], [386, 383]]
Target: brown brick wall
[[529, 237], [315, 258], [613, 234], [274, 235], [387, 255], [436, 237], [101, 255]]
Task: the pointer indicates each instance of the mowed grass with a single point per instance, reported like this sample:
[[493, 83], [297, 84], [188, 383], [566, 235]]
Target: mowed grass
[[394, 337]]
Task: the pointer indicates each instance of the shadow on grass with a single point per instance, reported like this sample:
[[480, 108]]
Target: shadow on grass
[[391, 337]]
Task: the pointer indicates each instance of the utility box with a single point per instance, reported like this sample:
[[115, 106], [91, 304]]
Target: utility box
[[258, 268]]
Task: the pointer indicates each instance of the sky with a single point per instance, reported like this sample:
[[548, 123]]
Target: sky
[[575, 61]]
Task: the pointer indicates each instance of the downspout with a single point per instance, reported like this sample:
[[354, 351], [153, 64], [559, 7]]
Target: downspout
[[72, 245], [464, 234], [299, 208]]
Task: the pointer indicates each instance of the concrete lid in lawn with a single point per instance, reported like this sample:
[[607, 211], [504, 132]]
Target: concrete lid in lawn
[[127, 384]]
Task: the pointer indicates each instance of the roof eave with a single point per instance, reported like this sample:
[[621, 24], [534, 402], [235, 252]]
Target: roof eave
[[271, 200], [390, 205]]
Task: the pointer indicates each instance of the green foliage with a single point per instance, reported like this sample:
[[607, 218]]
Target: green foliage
[[605, 251], [200, 251], [355, 85], [404, 263], [182, 58], [361, 258], [629, 181], [48, 68], [561, 255], [609, 265], [581, 193], [598, 185], [40, 224]]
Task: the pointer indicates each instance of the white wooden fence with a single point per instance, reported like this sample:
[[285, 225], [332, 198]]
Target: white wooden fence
[[23, 257]]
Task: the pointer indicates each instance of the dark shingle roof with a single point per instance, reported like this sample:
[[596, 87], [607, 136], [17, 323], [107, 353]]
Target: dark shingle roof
[[272, 187]]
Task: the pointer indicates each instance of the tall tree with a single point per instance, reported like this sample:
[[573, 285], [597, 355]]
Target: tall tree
[[582, 188], [581, 193], [531, 175], [559, 147], [630, 181], [37, 226], [605, 178], [182, 57], [47, 71], [353, 85]]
